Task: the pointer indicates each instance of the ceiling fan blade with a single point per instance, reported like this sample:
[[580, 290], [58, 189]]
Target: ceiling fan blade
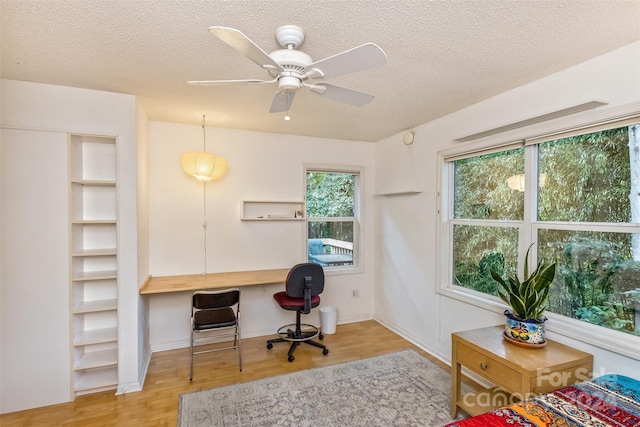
[[245, 46], [342, 94], [357, 59], [227, 82], [282, 101]]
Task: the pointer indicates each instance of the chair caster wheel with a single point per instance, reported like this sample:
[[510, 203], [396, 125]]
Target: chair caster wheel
[[320, 337], [291, 358], [325, 351], [269, 346]]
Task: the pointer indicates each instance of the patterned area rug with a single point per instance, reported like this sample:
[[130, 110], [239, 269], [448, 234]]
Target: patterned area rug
[[397, 389]]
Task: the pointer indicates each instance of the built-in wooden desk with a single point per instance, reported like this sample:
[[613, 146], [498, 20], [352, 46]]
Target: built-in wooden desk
[[195, 282]]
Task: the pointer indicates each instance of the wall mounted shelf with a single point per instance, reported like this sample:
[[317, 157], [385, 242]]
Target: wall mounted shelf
[[272, 211]]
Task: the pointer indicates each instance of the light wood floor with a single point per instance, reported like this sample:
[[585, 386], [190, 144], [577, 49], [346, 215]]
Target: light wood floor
[[168, 377]]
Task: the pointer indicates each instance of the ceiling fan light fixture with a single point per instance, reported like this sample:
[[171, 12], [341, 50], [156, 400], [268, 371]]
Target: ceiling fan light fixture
[[289, 83]]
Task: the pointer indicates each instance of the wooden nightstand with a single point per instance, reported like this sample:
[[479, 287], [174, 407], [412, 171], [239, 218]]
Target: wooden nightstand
[[517, 372]]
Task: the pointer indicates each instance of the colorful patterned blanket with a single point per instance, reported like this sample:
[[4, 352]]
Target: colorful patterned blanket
[[607, 401]]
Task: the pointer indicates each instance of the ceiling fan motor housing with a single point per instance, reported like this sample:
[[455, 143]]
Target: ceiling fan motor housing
[[291, 58], [294, 62]]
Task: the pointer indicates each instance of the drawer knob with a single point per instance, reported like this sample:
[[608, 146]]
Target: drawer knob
[[483, 366]]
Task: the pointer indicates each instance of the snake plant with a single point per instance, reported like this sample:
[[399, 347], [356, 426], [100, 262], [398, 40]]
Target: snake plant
[[527, 299]]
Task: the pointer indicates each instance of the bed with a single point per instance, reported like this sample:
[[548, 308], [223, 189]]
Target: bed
[[610, 400]]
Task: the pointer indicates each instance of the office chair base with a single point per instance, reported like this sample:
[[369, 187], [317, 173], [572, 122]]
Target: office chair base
[[295, 332], [297, 336], [295, 344]]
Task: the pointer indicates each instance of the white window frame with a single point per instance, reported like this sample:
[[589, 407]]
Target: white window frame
[[358, 208], [608, 339]]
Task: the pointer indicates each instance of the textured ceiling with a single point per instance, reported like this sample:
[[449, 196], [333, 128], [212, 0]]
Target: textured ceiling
[[442, 55]]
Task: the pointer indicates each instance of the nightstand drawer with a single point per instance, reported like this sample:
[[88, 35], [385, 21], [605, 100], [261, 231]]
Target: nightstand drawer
[[489, 368]]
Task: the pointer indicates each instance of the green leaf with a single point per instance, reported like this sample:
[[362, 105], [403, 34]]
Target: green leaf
[[528, 299], [517, 305]]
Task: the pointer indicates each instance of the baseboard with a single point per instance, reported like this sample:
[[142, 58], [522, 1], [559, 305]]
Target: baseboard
[[145, 368], [446, 359], [129, 387], [169, 346], [134, 386]]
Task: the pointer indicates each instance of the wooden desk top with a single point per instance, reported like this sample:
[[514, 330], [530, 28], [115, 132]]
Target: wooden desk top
[[195, 282]]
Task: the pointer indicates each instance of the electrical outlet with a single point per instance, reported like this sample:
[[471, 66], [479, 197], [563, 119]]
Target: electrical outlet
[[355, 293]]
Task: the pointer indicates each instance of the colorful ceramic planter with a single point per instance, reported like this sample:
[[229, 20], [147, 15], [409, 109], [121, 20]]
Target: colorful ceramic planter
[[528, 332]]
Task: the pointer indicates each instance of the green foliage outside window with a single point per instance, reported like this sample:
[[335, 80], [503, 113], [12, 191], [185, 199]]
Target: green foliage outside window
[[481, 190], [587, 178], [330, 195], [595, 274]]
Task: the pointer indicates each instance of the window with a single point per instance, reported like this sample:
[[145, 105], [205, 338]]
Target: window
[[487, 218], [332, 217], [576, 197]]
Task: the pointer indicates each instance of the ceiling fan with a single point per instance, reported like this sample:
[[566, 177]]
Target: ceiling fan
[[293, 69]]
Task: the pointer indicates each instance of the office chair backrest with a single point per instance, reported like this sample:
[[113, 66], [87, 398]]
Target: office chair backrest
[[304, 281], [218, 299]]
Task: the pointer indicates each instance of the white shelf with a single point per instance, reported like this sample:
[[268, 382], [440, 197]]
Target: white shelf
[[95, 182], [94, 252], [399, 193], [96, 306], [272, 219], [96, 380], [97, 359], [272, 211], [82, 276], [93, 221], [96, 336]]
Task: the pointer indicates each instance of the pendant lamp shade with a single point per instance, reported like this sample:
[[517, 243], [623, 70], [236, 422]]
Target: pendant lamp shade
[[203, 166]]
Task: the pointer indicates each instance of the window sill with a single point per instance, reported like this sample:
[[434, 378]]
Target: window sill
[[342, 270], [613, 341]]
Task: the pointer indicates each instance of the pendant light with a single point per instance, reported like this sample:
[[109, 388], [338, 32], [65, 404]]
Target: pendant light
[[201, 165]]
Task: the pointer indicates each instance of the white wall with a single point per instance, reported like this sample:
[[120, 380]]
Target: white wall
[[36, 346], [144, 347], [407, 246], [262, 166], [35, 278]]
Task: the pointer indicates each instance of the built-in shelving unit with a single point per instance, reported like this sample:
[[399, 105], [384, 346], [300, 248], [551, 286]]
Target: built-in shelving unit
[[93, 202], [272, 211]]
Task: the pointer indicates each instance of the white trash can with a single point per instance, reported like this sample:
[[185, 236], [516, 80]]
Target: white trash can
[[328, 320]]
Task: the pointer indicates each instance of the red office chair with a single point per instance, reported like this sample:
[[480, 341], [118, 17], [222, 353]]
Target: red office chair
[[304, 284]]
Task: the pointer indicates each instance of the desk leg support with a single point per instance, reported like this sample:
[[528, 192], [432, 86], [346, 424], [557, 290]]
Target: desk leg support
[[456, 373]]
